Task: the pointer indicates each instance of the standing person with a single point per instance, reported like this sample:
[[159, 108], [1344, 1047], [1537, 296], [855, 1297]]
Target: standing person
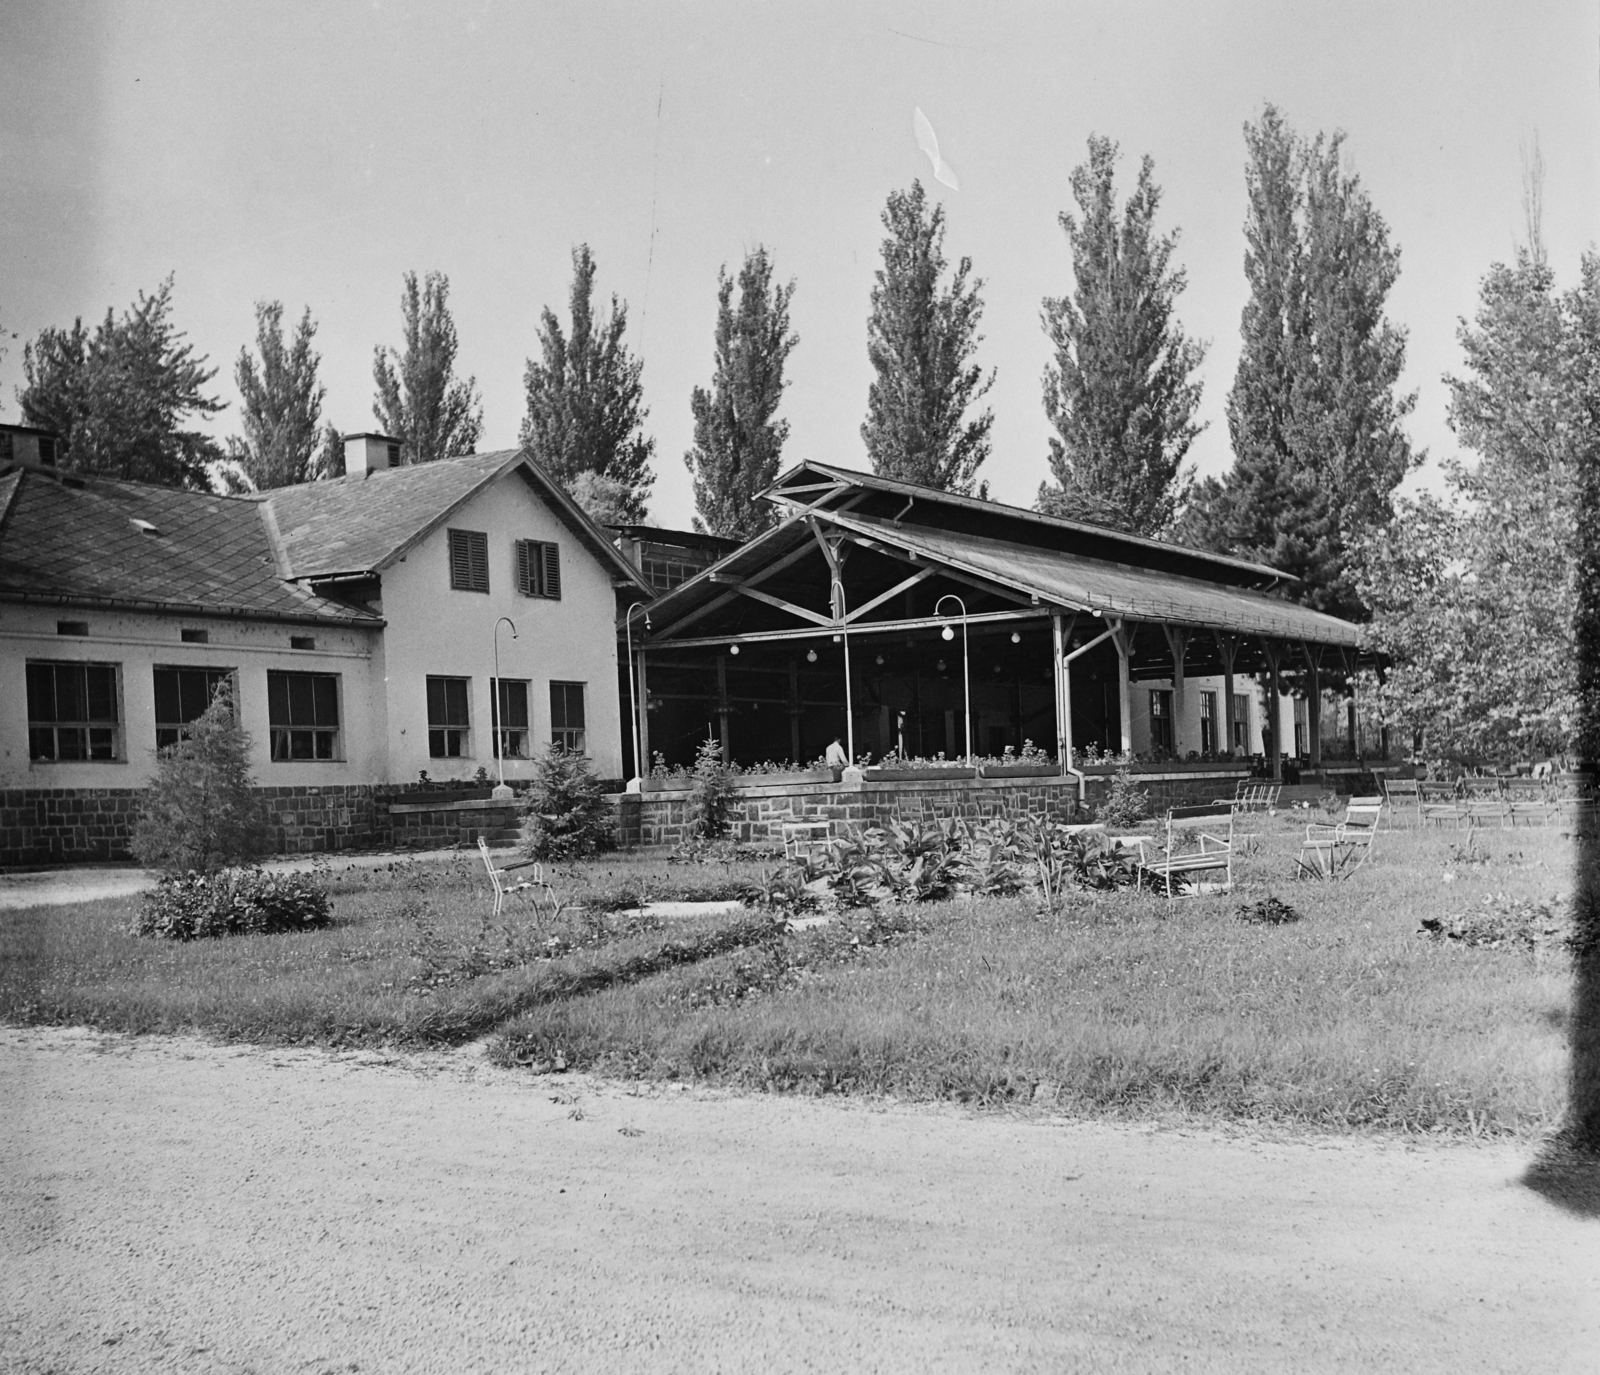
[[834, 756]]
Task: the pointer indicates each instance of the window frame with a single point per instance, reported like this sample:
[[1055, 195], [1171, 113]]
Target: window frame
[[227, 675], [1241, 721], [574, 739], [468, 557], [445, 732], [499, 734], [538, 568], [283, 732], [1162, 737], [114, 724], [1208, 721]]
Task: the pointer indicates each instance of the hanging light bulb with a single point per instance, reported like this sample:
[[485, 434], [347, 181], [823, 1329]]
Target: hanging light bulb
[[733, 649], [1016, 637], [941, 665], [811, 656], [997, 668], [947, 634], [880, 661]]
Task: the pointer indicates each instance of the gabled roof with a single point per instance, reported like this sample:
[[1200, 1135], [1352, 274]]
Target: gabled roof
[[92, 541], [362, 524], [913, 504]]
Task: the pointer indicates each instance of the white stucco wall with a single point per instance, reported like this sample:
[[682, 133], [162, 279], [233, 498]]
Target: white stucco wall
[[137, 642], [433, 629]]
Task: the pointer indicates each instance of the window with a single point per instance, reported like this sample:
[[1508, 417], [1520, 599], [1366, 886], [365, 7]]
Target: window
[[538, 569], [1241, 722], [469, 561], [47, 450], [72, 627], [1161, 719], [566, 716], [303, 712], [1208, 723], [393, 455], [195, 637], [509, 703], [664, 573], [72, 712], [449, 721], [182, 695]]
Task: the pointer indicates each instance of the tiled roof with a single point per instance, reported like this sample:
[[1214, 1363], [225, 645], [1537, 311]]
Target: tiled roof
[[74, 539], [360, 524]]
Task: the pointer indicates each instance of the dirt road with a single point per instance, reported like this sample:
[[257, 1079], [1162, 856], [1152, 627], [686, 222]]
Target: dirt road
[[170, 1205]]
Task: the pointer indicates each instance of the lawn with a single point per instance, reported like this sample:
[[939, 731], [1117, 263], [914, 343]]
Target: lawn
[[1118, 1003]]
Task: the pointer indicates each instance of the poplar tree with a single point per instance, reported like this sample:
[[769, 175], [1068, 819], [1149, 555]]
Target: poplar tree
[[921, 337], [419, 400], [118, 396], [1120, 392], [586, 401], [737, 439], [280, 402], [1314, 416]]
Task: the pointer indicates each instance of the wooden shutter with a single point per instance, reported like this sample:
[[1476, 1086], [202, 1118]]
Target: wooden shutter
[[526, 576], [550, 570], [469, 560]]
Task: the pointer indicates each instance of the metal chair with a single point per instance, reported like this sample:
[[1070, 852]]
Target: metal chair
[[1333, 848], [502, 889], [1191, 850]]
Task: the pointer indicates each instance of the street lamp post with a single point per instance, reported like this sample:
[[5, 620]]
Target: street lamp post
[[497, 713], [966, 670], [633, 692]]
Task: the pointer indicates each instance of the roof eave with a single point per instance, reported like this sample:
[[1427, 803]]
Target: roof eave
[[228, 613]]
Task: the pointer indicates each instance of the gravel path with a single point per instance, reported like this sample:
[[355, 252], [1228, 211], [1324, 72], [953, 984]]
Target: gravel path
[[171, 1205]]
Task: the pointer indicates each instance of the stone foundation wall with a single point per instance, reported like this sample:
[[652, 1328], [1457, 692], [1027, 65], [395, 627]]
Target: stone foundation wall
[[759, 812], [415, 824]]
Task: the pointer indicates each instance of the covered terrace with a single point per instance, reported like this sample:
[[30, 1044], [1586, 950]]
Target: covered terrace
[[902, 619]]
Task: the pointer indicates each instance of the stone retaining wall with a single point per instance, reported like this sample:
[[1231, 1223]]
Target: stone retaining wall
[[759, 812]]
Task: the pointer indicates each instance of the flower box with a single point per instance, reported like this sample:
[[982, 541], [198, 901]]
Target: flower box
[[919, 775], [786, 780], [1020, 771]]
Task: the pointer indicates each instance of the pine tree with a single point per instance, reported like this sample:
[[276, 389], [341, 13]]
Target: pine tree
[[1119, 393], [281, 402], [419, 402], [118, 397], [921, 337], [737, 441], [586, 399], [1313, 415]]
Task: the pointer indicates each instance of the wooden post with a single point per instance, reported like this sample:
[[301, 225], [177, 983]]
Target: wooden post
[[642, 766], [1178, 643], [794, 711], [1313, 655], [1274, 709], [1227, 649], [1062, 680], [722, 706], [1122, 638]]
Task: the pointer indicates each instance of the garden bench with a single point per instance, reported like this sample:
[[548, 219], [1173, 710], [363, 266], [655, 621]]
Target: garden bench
[[802, 839], [1343, 847], [502, 889], [1531, 800], [1399, 790], [1439, 802], [1192, 850], [1251, 797]]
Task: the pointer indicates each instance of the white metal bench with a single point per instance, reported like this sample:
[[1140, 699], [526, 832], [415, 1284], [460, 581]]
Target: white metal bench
[[1192, 851], [1342, 848]]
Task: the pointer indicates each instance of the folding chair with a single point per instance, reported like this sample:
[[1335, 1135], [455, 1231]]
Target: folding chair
[[802, 839], [502, 889], [1332, 848], [1192, 850]]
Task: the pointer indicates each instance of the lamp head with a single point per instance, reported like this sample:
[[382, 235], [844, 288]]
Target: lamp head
[[947, 634]]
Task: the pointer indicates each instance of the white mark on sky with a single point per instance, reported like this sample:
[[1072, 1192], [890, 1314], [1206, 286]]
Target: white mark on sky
[[929, 143]]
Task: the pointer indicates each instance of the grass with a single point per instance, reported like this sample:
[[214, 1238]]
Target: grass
[[1117, 1004]]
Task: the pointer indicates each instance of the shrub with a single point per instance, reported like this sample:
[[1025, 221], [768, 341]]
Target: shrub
[[1126, 805], [710, 791], [570, 817], [201, 812], [231, 902]]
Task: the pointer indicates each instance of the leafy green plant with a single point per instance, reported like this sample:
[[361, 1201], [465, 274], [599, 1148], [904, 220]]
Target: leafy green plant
[[202, 811], [711, 791], [570, 816], [231, 902], [1125, 806]]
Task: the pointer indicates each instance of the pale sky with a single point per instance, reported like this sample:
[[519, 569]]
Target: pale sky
[[313, 152]]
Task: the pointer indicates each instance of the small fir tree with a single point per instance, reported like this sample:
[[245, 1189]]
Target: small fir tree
[[202, 812], [737, 437], [568, 811], [711, 791]]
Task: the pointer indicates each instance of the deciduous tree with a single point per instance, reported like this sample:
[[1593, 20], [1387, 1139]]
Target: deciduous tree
[[119, 396], [1120, 392], [737, 437], [1314, 416], [419, 400], [280, 402], [586, 408], [922, 335]]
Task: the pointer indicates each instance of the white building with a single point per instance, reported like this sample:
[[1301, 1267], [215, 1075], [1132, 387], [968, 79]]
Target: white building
[[355, 621]]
